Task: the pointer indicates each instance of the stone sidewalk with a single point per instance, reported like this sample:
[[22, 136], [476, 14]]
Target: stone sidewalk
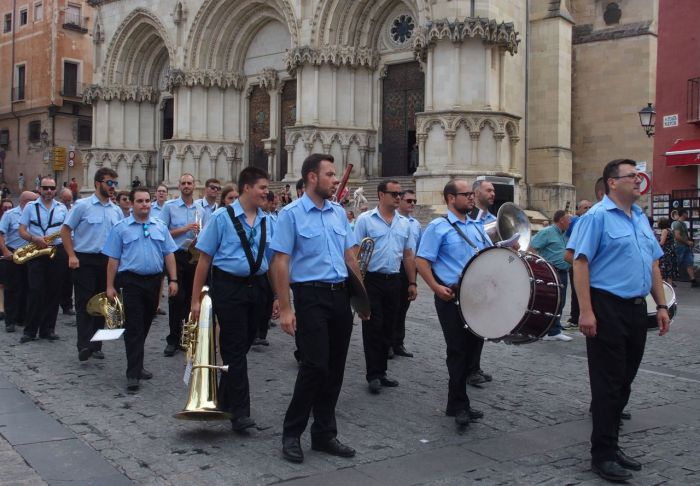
[[535, 430]]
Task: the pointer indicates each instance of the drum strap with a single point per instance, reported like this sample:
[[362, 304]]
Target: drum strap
[[461, 233]]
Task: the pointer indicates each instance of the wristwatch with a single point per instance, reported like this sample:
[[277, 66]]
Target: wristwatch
[[661, 306]]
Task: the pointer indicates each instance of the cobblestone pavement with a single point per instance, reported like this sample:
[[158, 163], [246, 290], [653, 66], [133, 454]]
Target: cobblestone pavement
[[535, 429]]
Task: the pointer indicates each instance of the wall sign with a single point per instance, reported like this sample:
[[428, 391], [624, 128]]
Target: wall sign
[[671, 121]]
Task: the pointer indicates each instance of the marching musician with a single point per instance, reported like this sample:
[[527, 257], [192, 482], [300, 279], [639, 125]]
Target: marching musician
[[159, 203], [393, 245], [407, 206], [313, 247], [269, 208], [90, 221], [137, 246], [183, 219], [234, 242], [616, 264], [208, 204], [447, 245], [16, 284], [41, 218]]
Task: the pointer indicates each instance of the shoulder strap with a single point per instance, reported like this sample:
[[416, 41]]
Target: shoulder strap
[[254, 264], [461, 233]]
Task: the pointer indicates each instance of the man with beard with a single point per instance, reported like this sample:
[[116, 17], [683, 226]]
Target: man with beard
[[313, 247], [182, 217], [447, 245], [90, 222]]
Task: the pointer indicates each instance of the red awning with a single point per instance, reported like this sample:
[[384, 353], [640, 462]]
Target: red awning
[[684, 152]]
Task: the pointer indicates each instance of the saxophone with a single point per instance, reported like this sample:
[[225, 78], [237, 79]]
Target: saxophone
[[31, 251]]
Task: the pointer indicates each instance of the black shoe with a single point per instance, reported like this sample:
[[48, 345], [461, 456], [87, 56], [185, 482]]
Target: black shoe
[[51, 337], [625, 415], [260, 342], [169, 350], [84, 354], [388, 382], [333, 447], [242, 423], [291, 449], [627, 462], [132, 384], [160, 311], [476, 379], [10, 328], [401, 351], [390, 353], [69, 312], [98, 354], [610, 470], [462, 418], [485, 376], [25, 339], [375, 386], [264, 342], [145, 374], [475, 414]]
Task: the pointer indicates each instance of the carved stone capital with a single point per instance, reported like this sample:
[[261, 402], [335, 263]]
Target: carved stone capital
[[334, 55], [269, 80], [204, 77]]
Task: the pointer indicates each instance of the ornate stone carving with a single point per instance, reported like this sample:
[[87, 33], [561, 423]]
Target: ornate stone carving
[[269, 80], [204, 77], [123, 93], [350, 56]]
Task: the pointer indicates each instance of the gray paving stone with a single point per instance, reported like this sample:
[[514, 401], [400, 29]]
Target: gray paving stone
[[13, 400], [31, 427]]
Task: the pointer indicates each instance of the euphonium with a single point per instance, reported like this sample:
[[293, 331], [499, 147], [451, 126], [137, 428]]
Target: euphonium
[[198, 337], [111, 310], [31, 250], [509, 221]]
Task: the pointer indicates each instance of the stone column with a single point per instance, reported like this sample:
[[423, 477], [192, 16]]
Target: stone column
[[334, 96], [450, 136], [422, 162], [499, 143], [196, 169], [130, 167], [229, 168], [513, 153], [290, 162], [475, 147]]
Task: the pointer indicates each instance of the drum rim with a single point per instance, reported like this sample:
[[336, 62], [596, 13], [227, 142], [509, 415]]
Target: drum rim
[[555, 273]]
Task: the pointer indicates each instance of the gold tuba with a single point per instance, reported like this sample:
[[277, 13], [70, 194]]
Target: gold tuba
[[31, 250], [198, 337], [111, 310]]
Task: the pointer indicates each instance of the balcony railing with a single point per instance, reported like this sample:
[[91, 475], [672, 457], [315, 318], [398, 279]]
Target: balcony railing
[[72, 90], [694, 100], [75, 21], [18, 93]]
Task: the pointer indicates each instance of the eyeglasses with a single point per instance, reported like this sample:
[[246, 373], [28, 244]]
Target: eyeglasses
[[628, 176], [162, 191], [393, 193], [146, 233], [465, 194], [215, 188], [411, 201], [49, 188], [111, 182]]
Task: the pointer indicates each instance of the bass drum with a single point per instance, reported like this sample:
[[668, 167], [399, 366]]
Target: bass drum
[[510, 296], [670, 302]]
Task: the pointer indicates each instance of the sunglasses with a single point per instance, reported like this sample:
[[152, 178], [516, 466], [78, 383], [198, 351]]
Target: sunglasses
[[146, 233], [215, 188], [49, 188], [111, 183], [411, 201], [465, 194], [393, 193]]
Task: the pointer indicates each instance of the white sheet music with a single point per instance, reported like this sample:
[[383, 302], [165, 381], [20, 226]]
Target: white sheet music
[[107, 334]]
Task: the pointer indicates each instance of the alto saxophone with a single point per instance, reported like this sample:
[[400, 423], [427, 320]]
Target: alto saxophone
[[31, 251]]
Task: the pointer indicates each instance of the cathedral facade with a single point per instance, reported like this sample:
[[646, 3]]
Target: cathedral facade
[[428, 88]]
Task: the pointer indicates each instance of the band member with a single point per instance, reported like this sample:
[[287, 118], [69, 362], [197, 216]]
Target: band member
[[406, 208], [447, 245], [159, 203], [137, 246], [123, 203], [269, 208], [16, 282], [183, 219], [208, 204], [616, 264], [90, 221], [393, 245], [235, 242], [45, 276], [66, 303], [313, 246]]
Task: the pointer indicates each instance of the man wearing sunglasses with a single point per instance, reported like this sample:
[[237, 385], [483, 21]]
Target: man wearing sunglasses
[[45, 276], [208, 204], [137, 247], [90, 222], [616, 264], [393, 246]]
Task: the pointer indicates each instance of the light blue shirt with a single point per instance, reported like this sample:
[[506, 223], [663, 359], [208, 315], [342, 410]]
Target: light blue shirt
[[446, 249], [176, 215], [620, 250], [220, 240], [550, 243], [9, 227], [315, 239], [416, 231], [390, 240], [157, 211], [207, 209], [50, 220], [91, 221], [137, 252]]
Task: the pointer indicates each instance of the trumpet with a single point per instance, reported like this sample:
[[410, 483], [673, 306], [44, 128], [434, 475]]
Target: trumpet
[[194, 252], [31, 251]]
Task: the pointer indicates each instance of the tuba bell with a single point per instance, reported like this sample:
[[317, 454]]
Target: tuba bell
[[510, 220], [199, 339], [111, 310]]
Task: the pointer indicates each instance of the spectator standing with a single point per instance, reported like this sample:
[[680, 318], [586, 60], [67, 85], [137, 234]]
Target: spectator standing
[[684, 246], [669, 262]]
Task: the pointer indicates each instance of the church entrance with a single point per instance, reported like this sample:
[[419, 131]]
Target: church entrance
[[403, 97], [258, 127]]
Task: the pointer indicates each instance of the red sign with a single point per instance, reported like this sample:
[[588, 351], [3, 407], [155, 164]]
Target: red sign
[[645, 185]]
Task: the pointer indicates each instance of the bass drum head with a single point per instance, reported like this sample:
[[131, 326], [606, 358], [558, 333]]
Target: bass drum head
[[670, 295], [494, 293]]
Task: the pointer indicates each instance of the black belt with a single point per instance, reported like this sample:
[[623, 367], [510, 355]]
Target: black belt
[[229, 277], [630, 301], [383, 276], [129, 273], [322, 285]]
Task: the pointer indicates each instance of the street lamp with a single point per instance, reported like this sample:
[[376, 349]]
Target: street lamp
[[647, 117]]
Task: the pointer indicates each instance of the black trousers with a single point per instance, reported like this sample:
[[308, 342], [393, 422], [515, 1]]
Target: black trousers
[[378, 331], [264, 317], [89, 278], [67, 294], [462, 347], [179, 305], [324, 326], [140, 295], [575, 312], [614, 356], [404, 304], [45, 280], [15, 293], [239, 306]]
